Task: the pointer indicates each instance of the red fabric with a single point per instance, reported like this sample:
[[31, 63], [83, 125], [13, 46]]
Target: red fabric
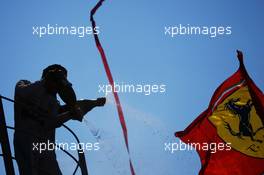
[[111, 81], [201, 130]]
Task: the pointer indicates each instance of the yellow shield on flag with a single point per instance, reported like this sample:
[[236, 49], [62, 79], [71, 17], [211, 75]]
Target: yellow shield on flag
[[237, 123]]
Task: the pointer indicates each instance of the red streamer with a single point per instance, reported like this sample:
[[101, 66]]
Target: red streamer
[[111, 81]]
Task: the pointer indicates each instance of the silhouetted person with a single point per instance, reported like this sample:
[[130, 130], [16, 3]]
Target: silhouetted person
[[38, 114]]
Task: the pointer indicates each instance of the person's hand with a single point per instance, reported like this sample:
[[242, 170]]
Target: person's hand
[[77, 113], [100, 101], [239, 54]]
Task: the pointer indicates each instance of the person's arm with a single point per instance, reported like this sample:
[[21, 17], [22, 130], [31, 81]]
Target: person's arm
[[79, 111], [85, 105], [56, 122], [88, 104]]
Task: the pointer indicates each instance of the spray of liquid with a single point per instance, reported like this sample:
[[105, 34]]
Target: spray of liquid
[[149, 121], [108, 142]]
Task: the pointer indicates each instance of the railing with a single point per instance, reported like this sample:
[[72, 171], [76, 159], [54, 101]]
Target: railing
[[6, 151]]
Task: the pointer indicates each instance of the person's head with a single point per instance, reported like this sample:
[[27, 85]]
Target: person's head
[[53, 76], [55, 81], [53, 70]]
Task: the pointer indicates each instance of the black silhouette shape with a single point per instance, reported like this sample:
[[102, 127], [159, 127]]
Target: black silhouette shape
[[243, 113], [36, 123]]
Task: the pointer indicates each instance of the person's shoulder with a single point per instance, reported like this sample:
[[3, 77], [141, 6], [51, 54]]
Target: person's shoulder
[[25, 87], [23, 83]]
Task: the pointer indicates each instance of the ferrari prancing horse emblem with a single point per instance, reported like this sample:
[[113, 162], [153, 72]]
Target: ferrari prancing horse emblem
[[237, 123]]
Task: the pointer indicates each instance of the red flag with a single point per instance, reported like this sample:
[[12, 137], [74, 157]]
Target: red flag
[[231, 127]]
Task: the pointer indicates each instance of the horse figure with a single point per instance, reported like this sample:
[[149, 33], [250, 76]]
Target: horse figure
[[243, 113]]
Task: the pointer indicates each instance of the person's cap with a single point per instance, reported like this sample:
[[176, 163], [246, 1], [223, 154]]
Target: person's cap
[[54, 68]]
